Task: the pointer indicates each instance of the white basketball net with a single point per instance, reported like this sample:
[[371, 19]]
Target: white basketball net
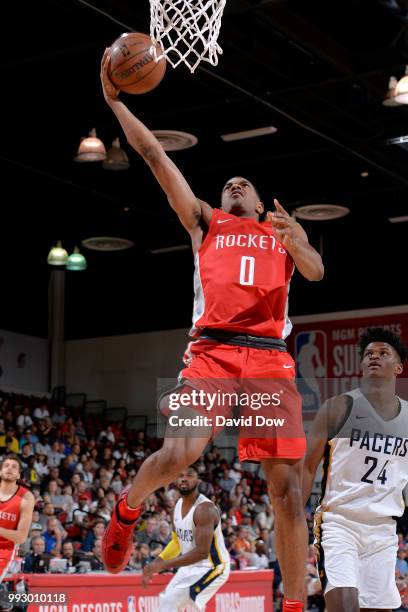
[[187, 30]]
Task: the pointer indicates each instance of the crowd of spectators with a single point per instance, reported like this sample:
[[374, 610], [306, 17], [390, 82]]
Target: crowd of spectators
[[76, 468]]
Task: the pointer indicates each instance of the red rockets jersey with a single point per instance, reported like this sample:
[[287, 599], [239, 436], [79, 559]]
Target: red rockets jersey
[[241, 279], [10, 516]]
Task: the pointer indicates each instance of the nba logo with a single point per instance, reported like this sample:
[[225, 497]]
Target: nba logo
[[311, 365], [131, 603]]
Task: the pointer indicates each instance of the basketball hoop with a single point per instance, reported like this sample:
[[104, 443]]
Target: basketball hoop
[[187, 30]]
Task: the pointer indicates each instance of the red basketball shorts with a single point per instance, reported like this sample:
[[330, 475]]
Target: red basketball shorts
[[6, 559], [269, 411]]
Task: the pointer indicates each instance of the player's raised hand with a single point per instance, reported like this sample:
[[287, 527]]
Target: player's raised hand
[[287, 230], [110, 92], [279, 209]]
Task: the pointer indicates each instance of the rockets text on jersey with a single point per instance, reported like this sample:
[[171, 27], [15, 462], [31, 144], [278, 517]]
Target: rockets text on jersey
[[241, 280]]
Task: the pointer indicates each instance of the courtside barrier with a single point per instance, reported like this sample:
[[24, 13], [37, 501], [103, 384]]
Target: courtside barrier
[[245, 591]]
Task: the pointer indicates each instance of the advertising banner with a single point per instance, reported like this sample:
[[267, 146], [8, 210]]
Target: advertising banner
[[325, 349], [245, 591]]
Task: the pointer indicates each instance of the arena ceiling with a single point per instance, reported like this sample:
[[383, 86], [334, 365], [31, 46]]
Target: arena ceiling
[[317, 71]]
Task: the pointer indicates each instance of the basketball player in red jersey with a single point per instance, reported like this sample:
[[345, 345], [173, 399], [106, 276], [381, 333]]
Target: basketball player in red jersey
[[16, 511], [243, 270]]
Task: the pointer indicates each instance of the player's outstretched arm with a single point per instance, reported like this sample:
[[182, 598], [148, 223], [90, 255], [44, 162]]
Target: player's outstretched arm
[[19, 535], [179, 194], [295, 240], [205, 519], [327, 422]]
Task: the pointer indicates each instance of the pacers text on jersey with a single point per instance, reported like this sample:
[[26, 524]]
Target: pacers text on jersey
[[379, 443]]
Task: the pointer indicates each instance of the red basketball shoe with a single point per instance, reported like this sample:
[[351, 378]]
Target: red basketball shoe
[[117, 541]]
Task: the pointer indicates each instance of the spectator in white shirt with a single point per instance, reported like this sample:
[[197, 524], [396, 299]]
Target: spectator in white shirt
[[41, 466], [81, 509], [266, 518], [107, 435], [41, 412], [24, 420], [86, 470], [116, 484], [236, 472], [55, 456], [43, 448], [259, 559], [103, 509]]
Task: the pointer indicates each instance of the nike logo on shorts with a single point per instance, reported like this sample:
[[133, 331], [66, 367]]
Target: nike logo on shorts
[[223, 220], [287, 365]]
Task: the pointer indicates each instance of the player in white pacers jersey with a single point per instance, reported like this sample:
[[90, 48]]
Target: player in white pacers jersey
[[197, 549], [362, 437]]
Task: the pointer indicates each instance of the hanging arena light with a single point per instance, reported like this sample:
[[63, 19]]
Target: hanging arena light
[[321, 212], [57, 256], [116, 158], [76, 261], [91, 149]]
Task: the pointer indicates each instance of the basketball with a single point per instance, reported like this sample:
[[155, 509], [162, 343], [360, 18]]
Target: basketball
[[132, 67]]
